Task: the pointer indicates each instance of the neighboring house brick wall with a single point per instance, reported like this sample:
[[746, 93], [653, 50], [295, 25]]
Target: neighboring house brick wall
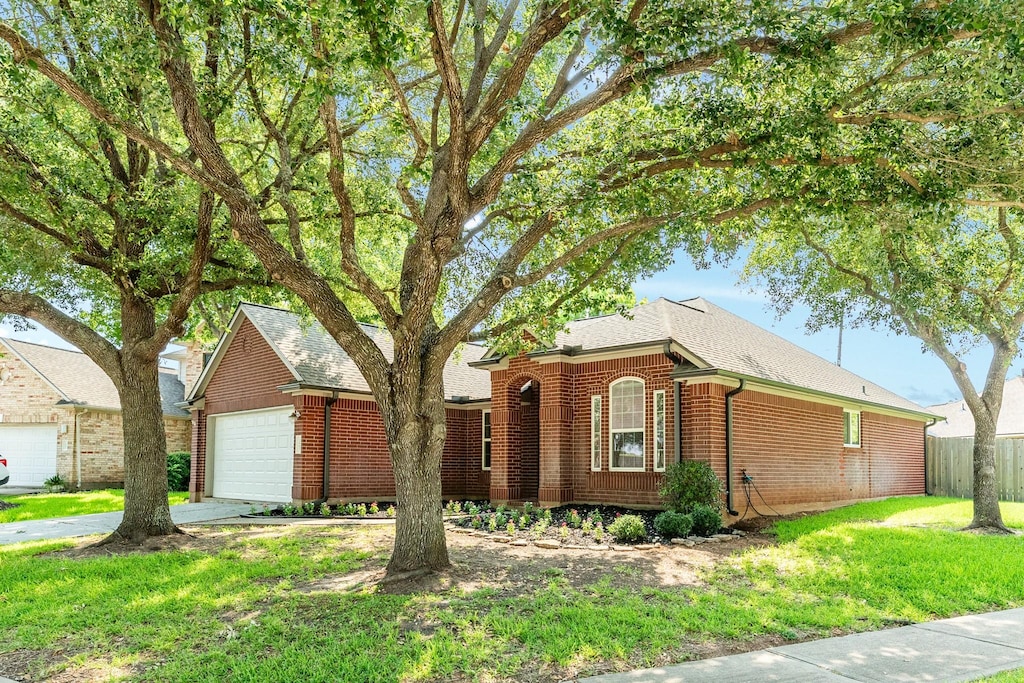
[[27, 398], [101, 440]]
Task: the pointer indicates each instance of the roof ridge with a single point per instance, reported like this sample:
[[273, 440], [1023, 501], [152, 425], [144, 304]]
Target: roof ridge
[[42, 346], [358, 322]]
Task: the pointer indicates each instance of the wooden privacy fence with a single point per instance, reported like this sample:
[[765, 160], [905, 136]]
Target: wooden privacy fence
[[949, 467]]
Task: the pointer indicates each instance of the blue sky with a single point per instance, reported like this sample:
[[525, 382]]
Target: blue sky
[[892, 361], [895, 362]]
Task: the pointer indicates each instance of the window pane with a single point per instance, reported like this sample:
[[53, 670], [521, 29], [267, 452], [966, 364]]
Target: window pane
[[627, 410], [487, 454], [628, 449], [855, 428], [487, 425], [595, 433], [659, 430]]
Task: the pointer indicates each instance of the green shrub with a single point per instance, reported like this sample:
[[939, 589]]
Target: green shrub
[[179, 469], [706, 520], [671, 524], [628, 529], [691, 483], [55, 484]]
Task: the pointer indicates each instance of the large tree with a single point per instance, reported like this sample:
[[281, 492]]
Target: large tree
[[522, 156], [105, 244], [953, 279]]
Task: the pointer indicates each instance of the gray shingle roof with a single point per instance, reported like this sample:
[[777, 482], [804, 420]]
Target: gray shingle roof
[[82, 382], [960, 422], [727, 342], [319, 361]]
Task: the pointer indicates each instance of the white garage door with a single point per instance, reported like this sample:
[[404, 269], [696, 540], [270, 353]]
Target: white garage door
[[31, 452], [253, 454]]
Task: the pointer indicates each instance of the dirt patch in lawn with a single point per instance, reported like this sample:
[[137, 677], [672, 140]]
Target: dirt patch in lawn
[[517, 570], [477, 563], [4, 505]]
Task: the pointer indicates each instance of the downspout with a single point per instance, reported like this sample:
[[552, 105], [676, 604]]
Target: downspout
[[728, 447], [677, 420], [327, 446], [929, 424], [78, 448]]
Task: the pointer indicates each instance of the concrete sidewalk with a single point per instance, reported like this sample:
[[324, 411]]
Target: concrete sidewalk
[[105, 522], [960, 649]]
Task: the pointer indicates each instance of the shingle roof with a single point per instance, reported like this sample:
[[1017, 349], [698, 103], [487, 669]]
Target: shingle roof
[[727, 342], [82, 382], [319, 361], [960, 422]]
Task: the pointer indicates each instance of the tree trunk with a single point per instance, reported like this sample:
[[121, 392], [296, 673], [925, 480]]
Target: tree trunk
[[986, 487], [416, 434], [146, 512]]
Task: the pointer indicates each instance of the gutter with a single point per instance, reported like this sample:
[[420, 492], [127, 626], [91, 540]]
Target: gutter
[[728, 447], [717, 372], [327, 446], [78, 447]]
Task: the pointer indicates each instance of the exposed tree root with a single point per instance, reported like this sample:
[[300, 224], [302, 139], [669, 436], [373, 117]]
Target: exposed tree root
[[989, 530], [138, 538]]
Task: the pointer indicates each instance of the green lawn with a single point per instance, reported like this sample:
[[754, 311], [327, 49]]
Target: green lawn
[[244, 609], [48, 505]]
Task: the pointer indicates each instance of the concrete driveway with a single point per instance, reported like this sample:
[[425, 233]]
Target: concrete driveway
[[106, 522]]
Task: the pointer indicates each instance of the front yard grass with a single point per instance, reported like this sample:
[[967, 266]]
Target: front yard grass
[[287, 603], [49, 505]]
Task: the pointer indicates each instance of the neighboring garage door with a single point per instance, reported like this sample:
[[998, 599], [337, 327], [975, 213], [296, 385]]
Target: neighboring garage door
[[253, 454], [31, 452]]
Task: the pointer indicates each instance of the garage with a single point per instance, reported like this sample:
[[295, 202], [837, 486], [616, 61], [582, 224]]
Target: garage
[[253, 454], [31, 452]]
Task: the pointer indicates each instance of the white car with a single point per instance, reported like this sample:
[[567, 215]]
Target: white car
[[5, 476]]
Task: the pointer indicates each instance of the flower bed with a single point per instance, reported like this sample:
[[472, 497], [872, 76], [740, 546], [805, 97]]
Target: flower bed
[[576, 525], [372, 510]]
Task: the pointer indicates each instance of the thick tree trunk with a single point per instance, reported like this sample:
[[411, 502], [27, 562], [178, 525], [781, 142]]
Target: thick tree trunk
[[416, 435], [146, 512], [986, 487]]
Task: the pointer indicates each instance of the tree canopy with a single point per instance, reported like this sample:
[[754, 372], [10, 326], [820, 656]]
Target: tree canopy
[[526, 159]]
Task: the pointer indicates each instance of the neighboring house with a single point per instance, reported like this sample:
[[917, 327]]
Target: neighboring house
[[959, 421], [593, 420], [60, 414]]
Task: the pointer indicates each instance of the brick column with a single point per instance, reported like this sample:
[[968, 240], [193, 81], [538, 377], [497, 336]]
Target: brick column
[[505, 475], [308, 467], [555, 434]]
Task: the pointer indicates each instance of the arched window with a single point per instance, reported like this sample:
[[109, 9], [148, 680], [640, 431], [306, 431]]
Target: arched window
[[626, 423]]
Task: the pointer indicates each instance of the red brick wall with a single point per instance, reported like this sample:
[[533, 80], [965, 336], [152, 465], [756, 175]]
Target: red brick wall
[[565, 393], [792, 448], [794, 451], [248, 376], [360, 463], [246, 379]]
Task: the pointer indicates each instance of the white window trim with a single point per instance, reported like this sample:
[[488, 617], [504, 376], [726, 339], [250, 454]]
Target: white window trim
[[595, 438], [484, 440], [860, 436], [660, 432], [613, 432]]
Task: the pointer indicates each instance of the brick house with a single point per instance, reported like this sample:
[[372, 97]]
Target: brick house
[[60, 414], [594, 419]]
